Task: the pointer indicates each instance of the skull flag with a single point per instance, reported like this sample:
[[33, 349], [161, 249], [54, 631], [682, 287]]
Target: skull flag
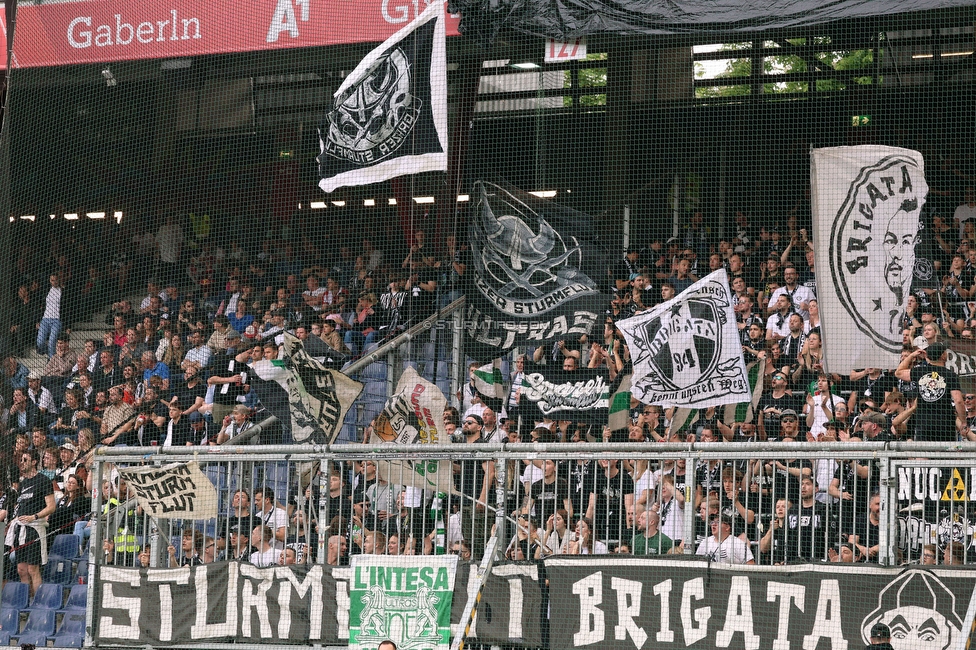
[[536, 276], [389, 116]]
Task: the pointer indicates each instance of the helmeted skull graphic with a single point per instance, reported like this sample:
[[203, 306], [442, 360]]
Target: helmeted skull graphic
[[370, 112]]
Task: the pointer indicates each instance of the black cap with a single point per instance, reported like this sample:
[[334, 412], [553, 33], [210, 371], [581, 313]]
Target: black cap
[[881, 631], [935, 351]]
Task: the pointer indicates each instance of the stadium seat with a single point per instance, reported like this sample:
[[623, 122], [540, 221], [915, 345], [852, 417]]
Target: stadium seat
[[39, 623], [81, 572], [57, 570], [77, 599], [48, 596], [71, 633], [67, 546], [4, 637], [38, 639], [375, 388], [15, 596], [10, 620], [374, 371]]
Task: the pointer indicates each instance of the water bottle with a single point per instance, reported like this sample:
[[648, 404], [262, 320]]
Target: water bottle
[[440, 529]]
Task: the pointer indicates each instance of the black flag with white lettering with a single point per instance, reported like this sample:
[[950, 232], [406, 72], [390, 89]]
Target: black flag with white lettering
[[537, 271], [389, 116]]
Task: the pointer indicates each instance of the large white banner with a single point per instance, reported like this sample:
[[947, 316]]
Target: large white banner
[[866, 206], [687, 351]]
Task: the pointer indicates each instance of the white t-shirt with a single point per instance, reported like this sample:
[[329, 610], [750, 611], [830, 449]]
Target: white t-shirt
[[964, 213], [672, 522], [820, 418], [599, 548], [52, 304], [275, 519], [647, 481], [778, 324], [801, 294], [169, 237], [730, 551], [265, 559]]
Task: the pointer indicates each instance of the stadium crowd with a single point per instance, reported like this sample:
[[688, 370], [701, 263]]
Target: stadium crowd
[[171, 369]]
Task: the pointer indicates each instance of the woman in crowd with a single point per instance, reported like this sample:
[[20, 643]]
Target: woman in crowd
[[173, 355], [558, 534], [583, 542], [811, 361], [73, 507]]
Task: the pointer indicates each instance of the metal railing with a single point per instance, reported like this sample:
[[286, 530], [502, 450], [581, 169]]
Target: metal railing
[[597, 477], [877, 507]]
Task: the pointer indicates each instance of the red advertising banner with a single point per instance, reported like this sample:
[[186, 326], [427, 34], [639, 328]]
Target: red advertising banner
[[103, 31]]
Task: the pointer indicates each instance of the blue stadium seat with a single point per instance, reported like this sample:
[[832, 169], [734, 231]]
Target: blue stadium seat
[[77, 599], [38, 639], [15, 595], [374, 371], [10, 620], [374, 389], [67, 546], [81, 571], [57, 570], [71, 633], [40, 622], [48, 596]]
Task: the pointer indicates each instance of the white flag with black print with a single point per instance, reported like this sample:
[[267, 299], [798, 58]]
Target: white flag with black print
[[687, 351], [389, 116], [867, 201]]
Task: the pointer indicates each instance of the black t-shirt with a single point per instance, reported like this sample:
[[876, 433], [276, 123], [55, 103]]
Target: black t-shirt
[[874, 388], [225, 365], [868, 534], [785, 483], [547, 498], [709, 479], [771, 408], [730, 512], [188, 395], [935, 416], [581, 477], [610, 511], [472, 477], [33, 493], [182, 432], [807, 530]]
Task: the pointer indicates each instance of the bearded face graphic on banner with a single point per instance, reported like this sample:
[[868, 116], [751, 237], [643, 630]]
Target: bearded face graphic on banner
[[872, 246]]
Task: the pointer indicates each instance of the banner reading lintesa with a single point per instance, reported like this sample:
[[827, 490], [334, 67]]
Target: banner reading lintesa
[[177, 491]]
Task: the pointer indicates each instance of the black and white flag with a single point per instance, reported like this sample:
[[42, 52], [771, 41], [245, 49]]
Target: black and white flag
[[687, 351], [535, 272], [303, 394], [389, 116], [866, 205]]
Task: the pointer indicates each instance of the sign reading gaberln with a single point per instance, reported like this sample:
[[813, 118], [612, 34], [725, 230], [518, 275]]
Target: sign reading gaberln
[[176, 491]]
